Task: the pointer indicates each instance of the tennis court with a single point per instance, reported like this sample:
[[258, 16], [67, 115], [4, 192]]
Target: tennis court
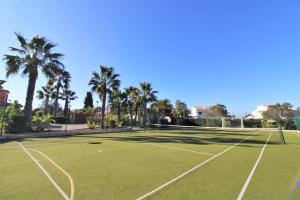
[[153, 164]]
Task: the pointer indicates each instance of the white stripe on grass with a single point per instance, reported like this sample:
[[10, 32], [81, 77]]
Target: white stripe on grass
[[72, 189], [253, 170], [297, 134], [191, 170], [63, 194], [165, 146]]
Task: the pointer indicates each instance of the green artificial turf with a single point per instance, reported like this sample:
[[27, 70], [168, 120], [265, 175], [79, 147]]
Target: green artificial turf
[[124, 166]]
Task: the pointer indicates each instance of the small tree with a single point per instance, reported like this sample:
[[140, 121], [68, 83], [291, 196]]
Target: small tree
[[180, 111], [219, 110], [283, 114], [88, 100], [91, 117]]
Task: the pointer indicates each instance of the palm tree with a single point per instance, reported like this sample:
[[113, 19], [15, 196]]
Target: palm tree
[[115, 100], [132, 101], [67, 95], [46, 93], [147, 96], [62, 80], [31, 56], [163, 107], [103, 83]]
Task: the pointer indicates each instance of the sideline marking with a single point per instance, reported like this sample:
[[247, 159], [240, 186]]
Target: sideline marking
[[198, 152], [191, 170], [63, 194], [62, 170], [253, 170]]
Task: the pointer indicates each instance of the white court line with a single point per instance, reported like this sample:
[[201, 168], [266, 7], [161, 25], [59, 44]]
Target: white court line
[[63, 194], [297, 134], [191, 170], [253, 170], [72, 189], [198, 152]]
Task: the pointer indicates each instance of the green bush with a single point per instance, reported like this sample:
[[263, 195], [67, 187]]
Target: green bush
[[15, 124], [227, 123], [40, 121], [268, 124], [252, 123], [14, 120], [60, 120], [163, 121], [91, 123], [188, 122], [213, 122], [112, 123]]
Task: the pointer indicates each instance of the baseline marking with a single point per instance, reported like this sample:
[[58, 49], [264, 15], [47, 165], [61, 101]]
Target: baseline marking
[[191, 170], [62, 170], [198, 152], [63, 194], [253, 170]]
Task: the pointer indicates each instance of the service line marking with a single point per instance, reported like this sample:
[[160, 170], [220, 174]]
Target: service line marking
[[72, 189], [169, 147], [191, 170], [253, 170], [63, 194]]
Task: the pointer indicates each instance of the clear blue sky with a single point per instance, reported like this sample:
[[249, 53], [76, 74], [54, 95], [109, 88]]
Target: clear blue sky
[[239, 53]]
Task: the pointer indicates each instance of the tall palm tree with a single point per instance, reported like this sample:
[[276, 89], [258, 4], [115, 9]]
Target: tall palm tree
[[132, 101], [31, 56], [147, 96], [46, 93], [67, 95], [104, 82], [62, 80]]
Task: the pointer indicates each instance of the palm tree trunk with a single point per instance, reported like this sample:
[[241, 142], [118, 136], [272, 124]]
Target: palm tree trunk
[[56, 101], [130, 115], [119, 113], [47, 104], [145, 113], [29, 99], [66, 107], [136, 114], [103, 110]]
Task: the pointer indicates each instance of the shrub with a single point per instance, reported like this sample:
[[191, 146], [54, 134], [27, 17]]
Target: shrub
[[163, 121], [40, 121], [252, 123], [189, 122], [213, 122], [14, 120], [112, 123], [91, 123], [60, 120], [15, 124]]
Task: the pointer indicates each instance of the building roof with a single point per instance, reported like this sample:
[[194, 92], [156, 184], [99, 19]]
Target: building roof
[[201, 108]]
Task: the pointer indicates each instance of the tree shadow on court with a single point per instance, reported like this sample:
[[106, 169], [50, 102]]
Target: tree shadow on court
[[163, 139], [4, 141]]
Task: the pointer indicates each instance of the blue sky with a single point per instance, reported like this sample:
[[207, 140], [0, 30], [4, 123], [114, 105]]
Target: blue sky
[[239, 53]]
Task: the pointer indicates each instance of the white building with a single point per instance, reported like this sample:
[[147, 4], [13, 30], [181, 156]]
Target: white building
[[257, 114], [200, 111]]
